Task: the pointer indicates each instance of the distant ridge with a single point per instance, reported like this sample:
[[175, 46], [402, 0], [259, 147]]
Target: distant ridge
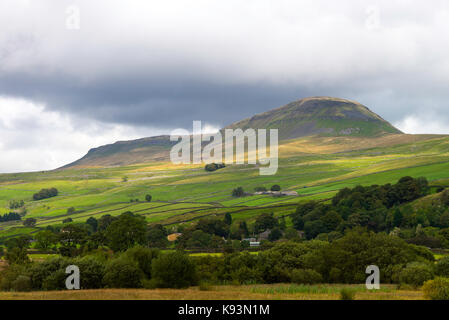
[[324, 116]]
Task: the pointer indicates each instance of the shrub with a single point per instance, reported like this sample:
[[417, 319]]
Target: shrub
[[347, 294], [174, 270], [17, 256], [442, 267], [275, 188], [306, 276], [21, 284], [55, 281], [92, 271], [415, 274], [41, 271], [45, 194], [238, 192], [437, 289], [143, 257], [123, 273], [9, 275]]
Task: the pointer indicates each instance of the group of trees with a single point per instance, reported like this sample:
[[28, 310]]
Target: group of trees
[[137, 267], [71, 239], [375, 207], [239, 192], [16, 204], [341, 261], [11, 216], [214, 166], [45, 194]]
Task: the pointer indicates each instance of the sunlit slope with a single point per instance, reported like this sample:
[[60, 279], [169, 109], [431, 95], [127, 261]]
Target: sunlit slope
[[185, 193]]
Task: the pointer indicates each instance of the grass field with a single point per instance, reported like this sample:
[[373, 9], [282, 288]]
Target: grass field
[[250, 292], [314, 167]]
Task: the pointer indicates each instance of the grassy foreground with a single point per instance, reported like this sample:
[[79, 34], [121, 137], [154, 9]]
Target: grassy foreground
[[249, 292]]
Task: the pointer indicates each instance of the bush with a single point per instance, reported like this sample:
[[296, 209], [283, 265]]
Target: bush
[[415, 274], [347, 294], [174, 270], [275, 188], [45, 194], [17, 256], [40, 272], [306, 276], [437, 289], [238, 192], [9, 275], [21, 284], [123, 273], [143, 257], [55, 281], [442, 267], [92, 271]]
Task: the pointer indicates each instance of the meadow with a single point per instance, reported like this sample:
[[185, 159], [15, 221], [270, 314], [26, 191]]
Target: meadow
[[316, 168], [225, 292]]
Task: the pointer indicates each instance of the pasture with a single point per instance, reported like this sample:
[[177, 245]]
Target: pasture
[[316, 168]]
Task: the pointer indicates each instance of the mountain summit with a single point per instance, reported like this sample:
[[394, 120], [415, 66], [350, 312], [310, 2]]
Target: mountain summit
[[323, 116], [320, 116]]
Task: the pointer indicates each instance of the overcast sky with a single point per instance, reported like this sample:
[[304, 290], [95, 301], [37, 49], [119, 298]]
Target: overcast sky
[[78, 74]]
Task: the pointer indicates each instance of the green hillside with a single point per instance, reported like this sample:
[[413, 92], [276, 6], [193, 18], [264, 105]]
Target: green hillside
[[320, 116], [182, 194]]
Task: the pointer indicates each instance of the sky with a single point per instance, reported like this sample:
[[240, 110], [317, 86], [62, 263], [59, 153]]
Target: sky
[[79, 74]]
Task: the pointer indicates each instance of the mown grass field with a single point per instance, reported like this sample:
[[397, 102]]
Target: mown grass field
[[229, 292], [314, 167]]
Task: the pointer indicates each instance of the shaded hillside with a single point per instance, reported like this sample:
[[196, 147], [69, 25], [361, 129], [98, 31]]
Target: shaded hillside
[[127, 152], [320, 116]]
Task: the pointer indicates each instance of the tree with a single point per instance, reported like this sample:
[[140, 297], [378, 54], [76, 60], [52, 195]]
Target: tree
[[143, 257], [228, 218], [416, 274], [17, 256], [45, 194], [127, 231], [157, 236], [45, 239], [332, 220], [275, 234], [265, 221], [73, 235], [21, 242], [275, 188], [148, 198], [123, 272], [93, 223], [397, 218], [105, 221], [67, 220], [238, 192], [29, 222], [173, 270]]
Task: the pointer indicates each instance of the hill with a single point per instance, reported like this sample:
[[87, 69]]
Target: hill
[[322, 116]]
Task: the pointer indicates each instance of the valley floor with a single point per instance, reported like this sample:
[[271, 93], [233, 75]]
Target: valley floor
[[250, 292]]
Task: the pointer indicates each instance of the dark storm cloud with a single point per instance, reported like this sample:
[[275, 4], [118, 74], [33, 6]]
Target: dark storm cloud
[[164, 65], [151, 102]]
